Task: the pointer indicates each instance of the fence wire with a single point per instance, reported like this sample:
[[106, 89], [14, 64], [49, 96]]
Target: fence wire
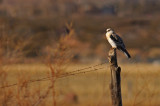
[[67, 74]]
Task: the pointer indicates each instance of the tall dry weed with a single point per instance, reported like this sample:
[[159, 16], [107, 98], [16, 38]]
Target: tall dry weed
[[58, 55], [61, 55]]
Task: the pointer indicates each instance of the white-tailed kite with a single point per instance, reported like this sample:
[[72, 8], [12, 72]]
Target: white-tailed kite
[[116, 41]]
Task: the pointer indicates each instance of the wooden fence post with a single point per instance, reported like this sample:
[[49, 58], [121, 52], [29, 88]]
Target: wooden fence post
[[115, 85]]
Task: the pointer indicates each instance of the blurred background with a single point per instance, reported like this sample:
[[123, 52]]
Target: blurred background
[[54, 52], [28, 27]]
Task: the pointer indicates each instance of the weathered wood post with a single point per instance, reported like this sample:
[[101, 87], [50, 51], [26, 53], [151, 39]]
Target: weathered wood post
[[115, 85]]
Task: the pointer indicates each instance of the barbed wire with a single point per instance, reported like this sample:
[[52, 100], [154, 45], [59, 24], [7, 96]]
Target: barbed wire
[[86, 68], [75, 72]]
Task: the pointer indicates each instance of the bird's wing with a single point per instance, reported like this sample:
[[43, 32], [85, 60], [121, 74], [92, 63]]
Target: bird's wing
[[117, 40]]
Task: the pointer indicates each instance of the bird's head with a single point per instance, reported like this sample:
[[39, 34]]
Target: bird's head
[[109, 31]]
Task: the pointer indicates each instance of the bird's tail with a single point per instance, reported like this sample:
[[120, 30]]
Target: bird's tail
[[125, 52]]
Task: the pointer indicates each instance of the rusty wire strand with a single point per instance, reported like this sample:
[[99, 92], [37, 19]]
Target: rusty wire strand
[[75, 72]]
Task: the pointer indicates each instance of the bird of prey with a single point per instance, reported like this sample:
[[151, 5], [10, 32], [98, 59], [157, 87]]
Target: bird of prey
[[116, 41]]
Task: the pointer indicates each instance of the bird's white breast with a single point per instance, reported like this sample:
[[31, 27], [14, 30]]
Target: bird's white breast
[[112, 43]]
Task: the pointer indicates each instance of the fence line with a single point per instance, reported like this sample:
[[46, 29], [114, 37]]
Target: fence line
[[72, 73]]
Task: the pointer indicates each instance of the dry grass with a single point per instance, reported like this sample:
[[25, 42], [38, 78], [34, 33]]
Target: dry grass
[[140, 86]]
